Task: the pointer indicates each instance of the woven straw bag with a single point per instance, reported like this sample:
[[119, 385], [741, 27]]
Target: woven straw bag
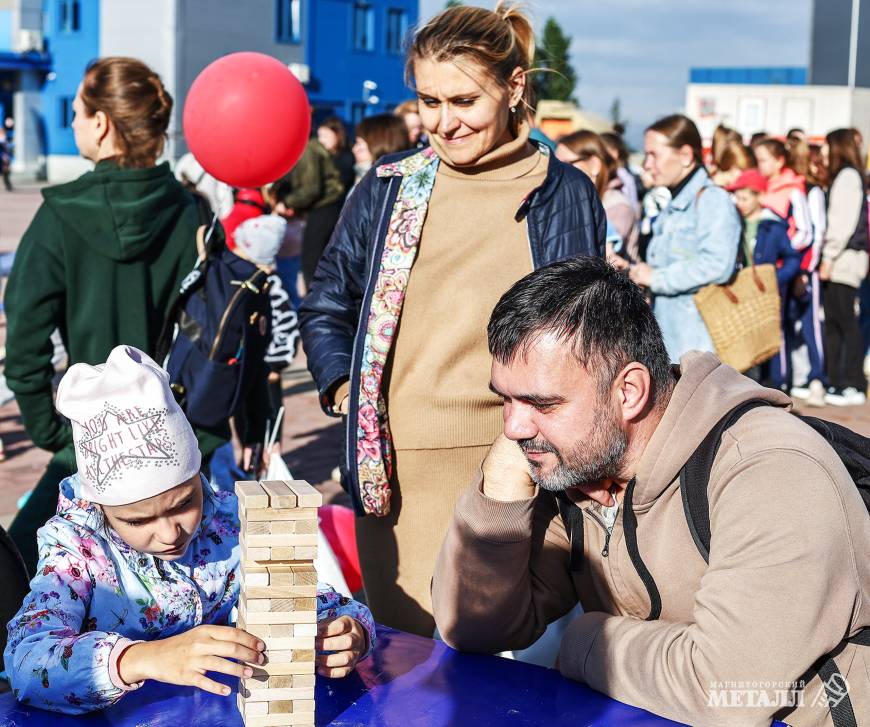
[[743, 317]]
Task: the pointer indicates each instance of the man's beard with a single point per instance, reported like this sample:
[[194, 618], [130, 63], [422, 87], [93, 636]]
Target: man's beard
[[597, 459]]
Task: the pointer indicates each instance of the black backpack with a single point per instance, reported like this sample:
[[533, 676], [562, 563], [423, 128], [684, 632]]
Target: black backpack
[[216, 332], [851, 448]]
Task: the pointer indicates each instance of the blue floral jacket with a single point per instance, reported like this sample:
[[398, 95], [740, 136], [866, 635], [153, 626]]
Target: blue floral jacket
[[92, 590]]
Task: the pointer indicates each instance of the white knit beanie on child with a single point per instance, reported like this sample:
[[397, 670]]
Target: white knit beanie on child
[[132, 440], [259, 238]]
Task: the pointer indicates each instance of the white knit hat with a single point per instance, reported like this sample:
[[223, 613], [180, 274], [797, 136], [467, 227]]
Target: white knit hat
[[259, 238], [131, 438]]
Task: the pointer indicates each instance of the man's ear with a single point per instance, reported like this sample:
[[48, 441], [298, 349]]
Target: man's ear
[[633, 388]]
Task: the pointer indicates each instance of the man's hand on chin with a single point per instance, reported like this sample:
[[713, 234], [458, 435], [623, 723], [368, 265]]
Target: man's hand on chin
[[506, 472]]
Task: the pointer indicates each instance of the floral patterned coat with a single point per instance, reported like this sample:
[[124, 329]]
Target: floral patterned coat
[[93, 594]]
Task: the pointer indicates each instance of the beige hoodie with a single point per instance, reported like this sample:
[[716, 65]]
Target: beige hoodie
[[788, 576]]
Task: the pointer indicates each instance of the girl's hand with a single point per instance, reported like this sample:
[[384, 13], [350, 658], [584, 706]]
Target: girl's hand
[[184, 659], [347, 638]]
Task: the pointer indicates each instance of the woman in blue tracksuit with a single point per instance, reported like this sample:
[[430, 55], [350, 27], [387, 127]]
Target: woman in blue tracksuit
[[695, 238], [394, 326]]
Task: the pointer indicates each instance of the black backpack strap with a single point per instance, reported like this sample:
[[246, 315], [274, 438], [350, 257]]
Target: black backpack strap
[[572, 517], [835, 685], [695, 477], [629, 525]]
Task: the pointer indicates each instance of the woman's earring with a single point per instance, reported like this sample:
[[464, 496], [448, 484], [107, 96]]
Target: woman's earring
[[513, 109]]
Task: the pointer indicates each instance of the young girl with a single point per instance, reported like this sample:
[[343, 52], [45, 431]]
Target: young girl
[[138, 570]]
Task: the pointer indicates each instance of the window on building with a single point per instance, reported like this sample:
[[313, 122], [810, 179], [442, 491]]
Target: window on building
[[69, 16], [363, 27], [397, 27], [66, 111], [288, 21]]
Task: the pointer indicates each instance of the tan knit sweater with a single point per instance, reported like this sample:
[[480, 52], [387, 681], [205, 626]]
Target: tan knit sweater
[[471, 251]]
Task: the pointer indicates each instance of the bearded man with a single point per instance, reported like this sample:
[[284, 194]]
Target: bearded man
[[580, 501]]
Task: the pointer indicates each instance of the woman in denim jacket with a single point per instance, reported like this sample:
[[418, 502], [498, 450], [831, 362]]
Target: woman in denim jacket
[[695, 238]]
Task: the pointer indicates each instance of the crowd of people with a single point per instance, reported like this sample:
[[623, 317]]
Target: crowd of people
[[509, 333]]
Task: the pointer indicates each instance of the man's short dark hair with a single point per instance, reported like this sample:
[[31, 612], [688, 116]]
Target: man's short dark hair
[[592, 306]]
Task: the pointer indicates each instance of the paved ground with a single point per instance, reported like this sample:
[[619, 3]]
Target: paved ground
[[311, 440]]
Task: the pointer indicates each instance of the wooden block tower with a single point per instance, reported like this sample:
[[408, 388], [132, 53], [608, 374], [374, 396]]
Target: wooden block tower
[[278, 599]]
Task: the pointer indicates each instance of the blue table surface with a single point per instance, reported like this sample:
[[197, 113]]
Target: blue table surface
[[408, 682]]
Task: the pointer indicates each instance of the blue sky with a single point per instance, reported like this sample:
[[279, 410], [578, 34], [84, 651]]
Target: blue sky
[[641, 50]]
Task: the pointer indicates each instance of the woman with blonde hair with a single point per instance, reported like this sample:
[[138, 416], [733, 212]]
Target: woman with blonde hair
[[586, 150], [395, 324]]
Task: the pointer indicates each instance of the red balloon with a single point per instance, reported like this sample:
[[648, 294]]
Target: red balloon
[[247, 119]]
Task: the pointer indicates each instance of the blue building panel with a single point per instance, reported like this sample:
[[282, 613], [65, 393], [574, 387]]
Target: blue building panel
[[72, 37], [740, 76], [6, 30], [355, 60]]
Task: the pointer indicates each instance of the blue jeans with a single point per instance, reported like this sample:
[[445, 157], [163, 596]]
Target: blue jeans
[[288, 270]]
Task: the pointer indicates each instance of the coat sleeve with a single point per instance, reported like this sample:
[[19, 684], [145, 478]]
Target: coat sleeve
[[803, 221], [762, 612], [717, 236], [35, 301], [329, 314], [52, 659], [846, 202], [502, 574], [332, 605]]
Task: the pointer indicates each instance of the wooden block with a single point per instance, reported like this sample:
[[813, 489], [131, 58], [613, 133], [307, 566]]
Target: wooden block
[[284, 706], [256, 555], [284, 667], [280, 539], [254, 578], [264, 695], [258, 605], [272, 514], [283, 527], [306, 495], [276, 643], [305, 629], [288, 655], [296, 681], [253, 709], [300, 719], [268, 591], [251, 496], [260, 527], [280, 495], [304, 575], [261, 631], [303, 705], [303, 526], [286, 553], [293, 604], [307, 552], [284, 631], [276, 617]]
